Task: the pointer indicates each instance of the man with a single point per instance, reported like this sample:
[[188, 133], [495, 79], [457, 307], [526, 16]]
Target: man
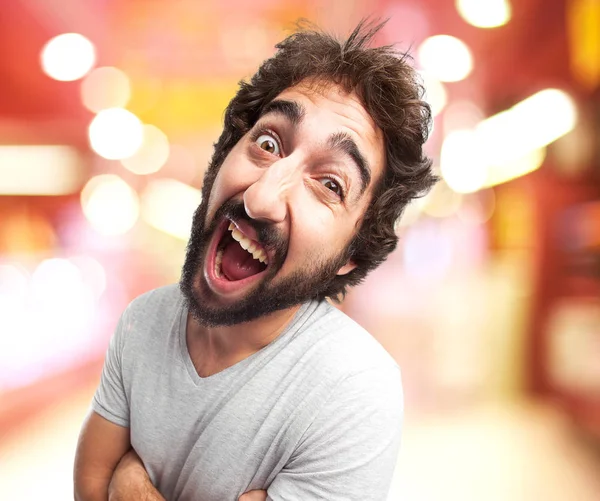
[[244, 381]]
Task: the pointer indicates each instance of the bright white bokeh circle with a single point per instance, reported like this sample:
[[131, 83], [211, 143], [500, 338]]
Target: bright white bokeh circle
[[68, 57], [446, 57], [116, 133]]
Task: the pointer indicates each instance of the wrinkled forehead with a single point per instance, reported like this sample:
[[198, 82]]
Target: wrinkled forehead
[[330, 106]]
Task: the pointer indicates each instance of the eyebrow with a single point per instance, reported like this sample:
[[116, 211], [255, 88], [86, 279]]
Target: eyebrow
[[291, 110], [342, 141]]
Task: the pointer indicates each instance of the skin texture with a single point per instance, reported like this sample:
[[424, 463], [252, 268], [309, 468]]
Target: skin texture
[[285, 193], [287, 190], [101, 446]]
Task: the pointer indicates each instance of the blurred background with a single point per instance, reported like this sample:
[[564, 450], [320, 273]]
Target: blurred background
[[491, 304]]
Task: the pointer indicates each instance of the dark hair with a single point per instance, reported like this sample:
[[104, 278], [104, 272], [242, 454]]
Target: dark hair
[[390, 91]]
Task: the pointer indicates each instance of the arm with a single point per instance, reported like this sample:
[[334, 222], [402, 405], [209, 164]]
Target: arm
[[349, 451], [101, 446], [130, 482]]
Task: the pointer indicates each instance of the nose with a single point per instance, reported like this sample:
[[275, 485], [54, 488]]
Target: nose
[[267, 199]]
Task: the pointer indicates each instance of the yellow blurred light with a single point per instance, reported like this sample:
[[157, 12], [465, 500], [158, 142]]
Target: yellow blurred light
[[68, 57], [110, 204], [462, 165], [529, 125], [116, 133], [498, 173], [168, 205], [104, 88], [152, 154], [39, 170], [435, 93], [446, 58], [485, 13]]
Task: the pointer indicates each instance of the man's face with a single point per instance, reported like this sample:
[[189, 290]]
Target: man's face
[[284, 207]]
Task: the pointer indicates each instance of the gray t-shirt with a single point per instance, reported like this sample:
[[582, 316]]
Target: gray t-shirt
[[316, 414]]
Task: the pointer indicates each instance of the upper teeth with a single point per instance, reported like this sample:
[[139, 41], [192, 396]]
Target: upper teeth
[[248, 245]]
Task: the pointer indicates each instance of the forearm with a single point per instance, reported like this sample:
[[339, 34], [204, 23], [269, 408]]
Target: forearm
[[134, 489], [91, 489], [131, 482]]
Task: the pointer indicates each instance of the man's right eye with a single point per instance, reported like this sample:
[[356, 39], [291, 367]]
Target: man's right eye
[[267, 143]]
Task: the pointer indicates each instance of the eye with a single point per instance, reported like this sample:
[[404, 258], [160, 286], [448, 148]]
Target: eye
[[268, 143], [333, 185]]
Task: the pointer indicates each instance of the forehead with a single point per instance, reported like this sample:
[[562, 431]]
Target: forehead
[[329, 109]]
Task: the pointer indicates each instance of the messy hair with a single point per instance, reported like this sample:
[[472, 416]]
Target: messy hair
[[390, 91]]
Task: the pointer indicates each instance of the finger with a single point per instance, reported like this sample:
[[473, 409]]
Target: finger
[[256, 495]]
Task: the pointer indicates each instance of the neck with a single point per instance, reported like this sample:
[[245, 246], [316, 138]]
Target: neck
[[223, 346]]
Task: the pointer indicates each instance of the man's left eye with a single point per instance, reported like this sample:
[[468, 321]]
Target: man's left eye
[[267, 143], [333, 185]]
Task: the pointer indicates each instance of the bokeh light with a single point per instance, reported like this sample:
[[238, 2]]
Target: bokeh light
[[477, 208], [115, 133], [110, 204], [485, 13], [462, 165], [441, 201], [92, 273], [460, 115], [435, 93], [105, 87], [168, 205], [446, 58], [68, 57], [529, 125], [151, 155]]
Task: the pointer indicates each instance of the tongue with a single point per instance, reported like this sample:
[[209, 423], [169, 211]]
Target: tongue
[[237, 263]]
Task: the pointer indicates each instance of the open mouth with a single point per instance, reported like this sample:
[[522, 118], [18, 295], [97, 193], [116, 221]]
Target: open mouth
[[235, 259]]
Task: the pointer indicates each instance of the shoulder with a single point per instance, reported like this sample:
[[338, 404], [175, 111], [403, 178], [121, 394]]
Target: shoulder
[[152, 311], [345, 346], [154, 303]]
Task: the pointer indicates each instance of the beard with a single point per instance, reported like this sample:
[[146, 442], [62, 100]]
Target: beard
[[271, 294]]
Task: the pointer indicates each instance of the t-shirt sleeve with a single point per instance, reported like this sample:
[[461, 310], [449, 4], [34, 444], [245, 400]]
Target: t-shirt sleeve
[[110, 399], [349, 452]]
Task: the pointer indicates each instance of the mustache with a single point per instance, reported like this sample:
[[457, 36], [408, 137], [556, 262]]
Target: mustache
[[269, 236]]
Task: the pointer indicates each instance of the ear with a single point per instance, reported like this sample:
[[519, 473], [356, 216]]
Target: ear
[[347, 268]]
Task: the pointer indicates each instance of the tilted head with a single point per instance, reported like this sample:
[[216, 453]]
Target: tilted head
[[320, 153]]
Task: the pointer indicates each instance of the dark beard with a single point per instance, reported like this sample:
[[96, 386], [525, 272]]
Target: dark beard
[[269, 295]]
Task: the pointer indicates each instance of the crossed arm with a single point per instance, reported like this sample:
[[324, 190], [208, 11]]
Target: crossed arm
[[108, 469]]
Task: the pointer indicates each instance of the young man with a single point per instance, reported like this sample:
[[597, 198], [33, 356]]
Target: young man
[[244, 379]]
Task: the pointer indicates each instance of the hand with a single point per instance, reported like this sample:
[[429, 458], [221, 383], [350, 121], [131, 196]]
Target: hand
[[254, 496], [130, 481]]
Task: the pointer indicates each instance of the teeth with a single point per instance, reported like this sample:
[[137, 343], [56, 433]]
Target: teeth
[[247, 244], [237, 234]]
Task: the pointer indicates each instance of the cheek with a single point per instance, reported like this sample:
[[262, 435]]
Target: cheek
[[318, 236]]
